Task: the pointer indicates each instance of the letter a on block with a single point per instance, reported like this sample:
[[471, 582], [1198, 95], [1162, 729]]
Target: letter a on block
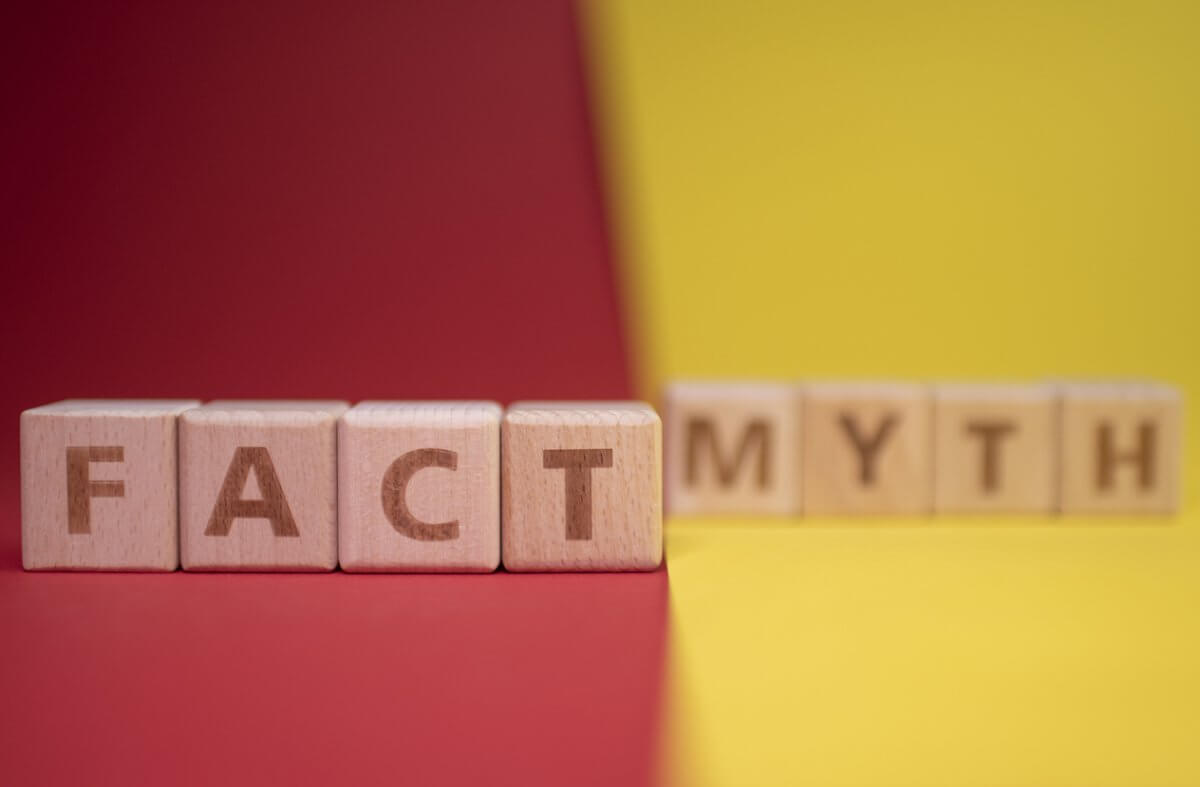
[[288, 450], [733, 448], [231, 505], [581, 487]]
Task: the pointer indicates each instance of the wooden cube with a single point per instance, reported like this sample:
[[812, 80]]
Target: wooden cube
[[867, 448], [995, 448], [258, 486], [1120, 448], [419, 486], [581, 487], [732, 448], [99, 485]]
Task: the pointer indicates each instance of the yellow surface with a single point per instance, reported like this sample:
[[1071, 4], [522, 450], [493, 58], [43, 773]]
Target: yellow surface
[[969, 190]]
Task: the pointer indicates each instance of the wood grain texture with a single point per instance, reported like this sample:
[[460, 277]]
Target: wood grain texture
[[99, 487], [995, 448], [1120, 447], [581, 487], [258, 486], [732, 448], [867, 448], [419, 487]]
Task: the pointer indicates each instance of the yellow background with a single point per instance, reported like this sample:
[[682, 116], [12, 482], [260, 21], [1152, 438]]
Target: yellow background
[[917, 190]]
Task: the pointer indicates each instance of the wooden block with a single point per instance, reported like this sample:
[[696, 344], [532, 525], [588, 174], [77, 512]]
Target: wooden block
[[732, 448], [258, 486], [995, 448], [419, 486], [867, 448], [99, 486], [1120, 447], [581, 487]]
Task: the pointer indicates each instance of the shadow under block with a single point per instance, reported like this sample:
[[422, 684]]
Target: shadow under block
[[1120, 448], [99, 488], [258, 486], [867, 448], [419, 487], [995, 448], [581, 487], [732, 448]]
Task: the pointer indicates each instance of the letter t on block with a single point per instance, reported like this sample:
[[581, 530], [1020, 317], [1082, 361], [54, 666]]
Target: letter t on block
[[1120, 448], [732, 448], [581, 487]]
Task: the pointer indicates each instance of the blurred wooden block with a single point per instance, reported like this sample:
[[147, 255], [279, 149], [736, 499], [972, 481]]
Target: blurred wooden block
[[1120, 447], [258, 486], [581, 487], [867, 448], [732, 448], [995, 448], [99, 485], [419, 486]]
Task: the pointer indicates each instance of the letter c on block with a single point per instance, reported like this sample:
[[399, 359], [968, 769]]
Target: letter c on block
[[395, 491]]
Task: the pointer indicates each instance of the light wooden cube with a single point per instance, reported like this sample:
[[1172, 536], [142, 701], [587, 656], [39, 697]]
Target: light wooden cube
[[732, 448], [995, 448], [867, 448], [99, 486], [1120, 447], [581, 487], [258, 486], [419, 486]]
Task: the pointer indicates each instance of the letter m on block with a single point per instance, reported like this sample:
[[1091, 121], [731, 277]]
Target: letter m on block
[[751, 449]]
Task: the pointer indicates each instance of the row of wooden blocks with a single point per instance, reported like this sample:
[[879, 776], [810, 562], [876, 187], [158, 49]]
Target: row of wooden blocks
[[304, 486], [855, 448]]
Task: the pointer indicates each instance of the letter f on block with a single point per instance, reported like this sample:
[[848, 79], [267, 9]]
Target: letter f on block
[[81, 488]]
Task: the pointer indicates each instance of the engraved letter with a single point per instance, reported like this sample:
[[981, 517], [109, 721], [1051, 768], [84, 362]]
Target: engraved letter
[[1107, 456], [868, 448], [757, 433], [395, 486], [990, 432], [578, 464], [81, 489], [231, 506]]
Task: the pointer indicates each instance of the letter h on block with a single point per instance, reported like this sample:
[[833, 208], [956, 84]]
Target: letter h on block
[[581, 487]]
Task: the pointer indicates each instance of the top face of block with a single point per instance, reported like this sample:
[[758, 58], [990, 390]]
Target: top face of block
[[419, 486], [581, 486], [732, 448], [114, 408], [448, 414], [613, 413], [995, 447], [99, 485], [867, 448], [248, 411], [1120, 447]]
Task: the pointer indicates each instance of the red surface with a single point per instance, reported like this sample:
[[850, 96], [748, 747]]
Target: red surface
[[293, 200]]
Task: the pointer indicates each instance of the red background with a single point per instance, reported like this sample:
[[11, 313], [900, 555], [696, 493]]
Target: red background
[[393, 200]]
